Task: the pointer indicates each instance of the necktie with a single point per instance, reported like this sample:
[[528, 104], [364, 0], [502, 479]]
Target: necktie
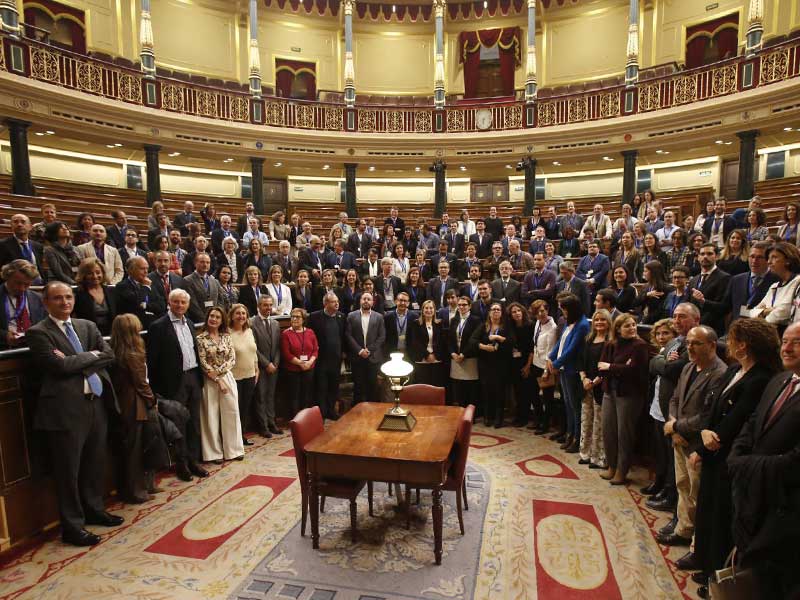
[[165, 279], [702, 280], [26, 251], [717, 223], [94, 379], [788, 392], [24, 319]]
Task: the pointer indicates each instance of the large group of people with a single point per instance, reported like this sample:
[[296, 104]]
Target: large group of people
[[618, 338]]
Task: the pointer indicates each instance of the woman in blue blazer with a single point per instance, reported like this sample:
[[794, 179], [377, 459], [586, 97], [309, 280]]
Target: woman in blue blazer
[[566, 358]]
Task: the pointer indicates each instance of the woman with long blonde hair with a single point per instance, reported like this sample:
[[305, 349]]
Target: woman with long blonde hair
[[591, 447]]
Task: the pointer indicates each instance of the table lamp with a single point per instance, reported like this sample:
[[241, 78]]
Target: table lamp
[[397, 371]]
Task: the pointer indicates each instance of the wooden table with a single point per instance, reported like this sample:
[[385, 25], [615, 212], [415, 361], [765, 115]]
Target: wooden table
[[354, 448]]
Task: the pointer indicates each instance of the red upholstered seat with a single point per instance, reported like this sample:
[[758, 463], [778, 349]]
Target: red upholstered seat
[[456, 480], [307, 425], [422, 393]]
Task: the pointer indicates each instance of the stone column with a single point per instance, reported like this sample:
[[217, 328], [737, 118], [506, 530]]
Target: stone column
[[629, 176], [20, 162], [153, 173], [528, 166], [632, 64], [146, 42], [349, 69], [439, 169], [255, 59], [9, 18], [257, 175], [438, 57], [745, 187], [530, 70], [755, 26], [350, 206]]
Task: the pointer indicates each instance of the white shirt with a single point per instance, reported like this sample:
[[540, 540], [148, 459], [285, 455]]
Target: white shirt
[[400, 268], [429, 327], [544, 342], [282, 306], [466, 228], [185, 340], [563, 340], [365, 324], [781, 299]]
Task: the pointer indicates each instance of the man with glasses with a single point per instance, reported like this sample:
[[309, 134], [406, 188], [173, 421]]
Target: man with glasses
[[131, 247], [748, 289]]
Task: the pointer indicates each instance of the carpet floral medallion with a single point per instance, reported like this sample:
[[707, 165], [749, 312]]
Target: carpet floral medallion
[[539, 526]]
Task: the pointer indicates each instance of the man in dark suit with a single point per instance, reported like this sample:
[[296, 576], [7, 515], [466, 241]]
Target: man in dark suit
[[572, 285], [225, 231], [461, 347], [340, 260], [131, 247], [22, 307], [204, 290], [115, 234], [386, 284], [72, 358], [285, 261], [470, 288], [455, 242], [494, 225], [470, 258], [437, 286], [371, 267], [359, 242], [505, 288], [685, 423], [443, 254], [134, 293], [162, 229], [328, 325], [763, 466], [19, 245], [396, 222], [397, 324], [365, 349], [539, 284], [311, 259], [200, 247], [481, 239], [718, 227], [492, 263], [243, 222], [748, 289], [710, 289], [183, 219], [267, 333], [593, 268], [162, 282], [174, 370], [480, 308]]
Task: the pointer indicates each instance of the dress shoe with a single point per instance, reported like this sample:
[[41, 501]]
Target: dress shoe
[[673, 539], [265, 434], [274, 429], [105, 519], [533, 426], [669, 527], [650, 490], [573, 448], [247, 442], [81, 537], [516, 423], [702, 591], [218, 461], [196, 469], [618, 481], [154, 490], [239, 457], [540, 431], [688, 562], [584, 461], [609, 474], [182, 472], [700, 578], [498, 425], [558, 435], [596, 466], [566, 443], [666, 504]]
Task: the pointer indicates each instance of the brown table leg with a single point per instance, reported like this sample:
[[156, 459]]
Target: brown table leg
[[314, 500], [437, 523]]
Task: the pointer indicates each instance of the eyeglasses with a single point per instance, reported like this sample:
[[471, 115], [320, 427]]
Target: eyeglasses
[[463, 305], [496, 309], [793, 343]]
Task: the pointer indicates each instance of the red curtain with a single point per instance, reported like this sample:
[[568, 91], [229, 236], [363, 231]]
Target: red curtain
[[470, 42], [295, 79], [712, 41]]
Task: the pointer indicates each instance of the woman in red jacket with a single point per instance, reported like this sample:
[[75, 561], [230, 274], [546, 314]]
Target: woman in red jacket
[[624, 367], [299, 351]]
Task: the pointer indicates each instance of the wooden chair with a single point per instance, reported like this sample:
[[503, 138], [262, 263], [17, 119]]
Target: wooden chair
[[307, 425]]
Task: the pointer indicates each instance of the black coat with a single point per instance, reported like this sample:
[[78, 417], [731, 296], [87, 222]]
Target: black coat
[[315, 323], [484, 245], [725, 413], [135, 299], [469, 344], [85, 306], [158, 300], [164, 357], [10, 250], [739, 293], [418, 344], [715, 307], [248, 297]]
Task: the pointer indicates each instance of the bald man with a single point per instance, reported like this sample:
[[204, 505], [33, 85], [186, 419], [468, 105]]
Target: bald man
[[19, 245]]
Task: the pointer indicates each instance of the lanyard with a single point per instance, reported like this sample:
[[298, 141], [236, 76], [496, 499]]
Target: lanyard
[[402, 265], [790, 233], [257, 292], [413, 291], [278, 292], [205, 282], [401, 325], [536, 333], [774, 295], [302, 342], [19, 310], [460, 328]]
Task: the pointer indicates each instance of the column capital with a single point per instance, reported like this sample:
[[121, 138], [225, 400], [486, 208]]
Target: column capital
[[349, 5], [257, 160], [439, 7], [755, 12], [19, 123], [532, 4], [750, 134], [628, 154], [152, 148]]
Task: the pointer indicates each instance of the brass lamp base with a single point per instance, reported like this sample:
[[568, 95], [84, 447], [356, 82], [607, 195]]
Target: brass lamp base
[[397, 419]]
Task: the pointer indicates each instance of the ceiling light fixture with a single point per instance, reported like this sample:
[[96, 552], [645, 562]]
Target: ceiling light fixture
[[463, 168], [719, 142], [228, 160], [394, 8], [371, 169], [787, 128], [418, 169], [509, 167], [325, 167], [277, 164], [50, 132], [110, 146], [662, 151], [118, 145], [174, 154], [608, 158], [556, 163], [485, 4], [40, 133]]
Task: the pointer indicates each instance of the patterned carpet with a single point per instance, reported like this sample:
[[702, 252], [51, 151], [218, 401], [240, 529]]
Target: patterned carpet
[[540, 526]]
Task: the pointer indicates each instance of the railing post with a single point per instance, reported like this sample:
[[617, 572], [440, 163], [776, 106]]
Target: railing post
[[528, 166], [147, 52], [349, 69], [9, 18], [254, 59], [530, 70], [438, 72], [632, 65], [755, 26]]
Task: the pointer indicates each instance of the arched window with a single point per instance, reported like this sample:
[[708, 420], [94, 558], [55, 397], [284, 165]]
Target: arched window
[[56, 24], [712, 41], [295, 79]]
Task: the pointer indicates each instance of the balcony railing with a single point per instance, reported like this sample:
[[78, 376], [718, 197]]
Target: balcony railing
[[29, 58]]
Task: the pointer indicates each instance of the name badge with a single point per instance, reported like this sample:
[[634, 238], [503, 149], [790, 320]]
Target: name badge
[[304, 357], [503, 299], [401, 338], [589, 273], [143, 305], [208, 303], [744, 311], [516, 354], [415, 305]]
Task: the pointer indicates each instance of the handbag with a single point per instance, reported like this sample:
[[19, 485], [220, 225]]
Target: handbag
[[732, 583], [547, 380]]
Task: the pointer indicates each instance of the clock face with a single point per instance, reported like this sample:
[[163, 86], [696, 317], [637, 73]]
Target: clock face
[[483, 118]]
